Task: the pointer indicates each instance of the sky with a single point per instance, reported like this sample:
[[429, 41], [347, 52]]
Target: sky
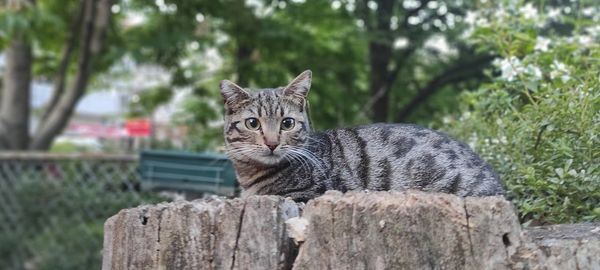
[[94, 103]]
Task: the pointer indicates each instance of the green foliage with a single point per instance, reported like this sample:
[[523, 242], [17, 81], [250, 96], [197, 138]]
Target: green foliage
[[81, 241], [59, 220], [205, 131], [538, 122], [148, 101], [67, 147], [46, 26], [29, 22]]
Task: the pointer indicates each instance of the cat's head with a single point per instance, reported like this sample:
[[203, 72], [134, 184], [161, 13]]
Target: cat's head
[[267, 125]]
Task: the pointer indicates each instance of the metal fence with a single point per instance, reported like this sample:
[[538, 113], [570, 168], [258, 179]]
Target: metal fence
[[52, 207]]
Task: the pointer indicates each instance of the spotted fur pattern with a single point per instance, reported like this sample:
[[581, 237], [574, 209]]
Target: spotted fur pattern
[[305, 164]]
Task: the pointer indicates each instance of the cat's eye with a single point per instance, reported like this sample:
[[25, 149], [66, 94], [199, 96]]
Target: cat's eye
[[287, 123], [252, 123]]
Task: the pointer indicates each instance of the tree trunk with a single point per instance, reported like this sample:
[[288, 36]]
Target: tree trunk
[[243, 64], [96, 20], [14, 107], [380, 54], [61, 75], [245, 24]]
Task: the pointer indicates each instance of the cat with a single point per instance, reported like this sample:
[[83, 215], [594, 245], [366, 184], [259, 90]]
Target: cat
[[269, 139]]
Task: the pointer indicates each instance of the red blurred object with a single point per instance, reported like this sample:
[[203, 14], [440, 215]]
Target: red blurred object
[[138, 128]]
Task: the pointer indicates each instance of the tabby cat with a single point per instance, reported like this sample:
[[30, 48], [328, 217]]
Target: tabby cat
[[274, 151]]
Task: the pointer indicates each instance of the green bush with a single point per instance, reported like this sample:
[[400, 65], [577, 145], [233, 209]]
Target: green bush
[[58, 223], [538, 121]]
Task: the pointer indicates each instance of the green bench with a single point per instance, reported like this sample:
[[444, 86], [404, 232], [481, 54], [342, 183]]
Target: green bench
[[207, 173]]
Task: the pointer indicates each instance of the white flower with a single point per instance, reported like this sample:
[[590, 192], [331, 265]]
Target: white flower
[[541, 44], [594, 31], [471, 17], [482, 22], [585, 40], [535, 71], [496, 62], [559, 69], [466, 115], [528, 11], [510, 67], [446, 119], [554, 14], [500, 13], [588, 11], [559, 66]]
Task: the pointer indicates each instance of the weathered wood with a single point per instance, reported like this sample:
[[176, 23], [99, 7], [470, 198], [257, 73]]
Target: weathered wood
[[406, 230], [204, 234], [378, 230], [567, 246]]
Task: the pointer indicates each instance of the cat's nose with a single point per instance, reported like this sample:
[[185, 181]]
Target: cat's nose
[[271, 145]]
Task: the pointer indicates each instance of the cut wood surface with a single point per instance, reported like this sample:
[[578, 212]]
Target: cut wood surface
[[356, 230]]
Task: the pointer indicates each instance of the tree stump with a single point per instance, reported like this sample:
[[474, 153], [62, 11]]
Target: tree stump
[[356, 230]]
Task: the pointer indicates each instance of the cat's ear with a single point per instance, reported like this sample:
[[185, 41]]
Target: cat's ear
[[298, 88], [233, 94]]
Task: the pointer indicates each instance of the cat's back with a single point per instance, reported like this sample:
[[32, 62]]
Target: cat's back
[[404, 156]]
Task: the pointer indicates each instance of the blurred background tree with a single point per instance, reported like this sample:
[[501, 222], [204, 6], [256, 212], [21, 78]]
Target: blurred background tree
[[63, 41]]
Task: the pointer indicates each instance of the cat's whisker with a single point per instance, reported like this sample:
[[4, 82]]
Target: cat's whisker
[[310, 157], [298, 158], [313, 140], [243, 151], [306, 164]]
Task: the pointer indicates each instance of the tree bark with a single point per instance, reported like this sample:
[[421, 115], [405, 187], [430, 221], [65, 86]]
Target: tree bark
[[243, 64], [61, 75], [356, 230], [380, 54], [208, 234], [15, 107], [245, 24], [96, 20]]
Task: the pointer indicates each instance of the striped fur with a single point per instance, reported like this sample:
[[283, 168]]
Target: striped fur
[[372, 157]]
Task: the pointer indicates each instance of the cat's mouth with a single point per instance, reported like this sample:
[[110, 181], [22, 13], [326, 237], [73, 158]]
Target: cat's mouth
[[263, 156], [269, 158], [272, 154]]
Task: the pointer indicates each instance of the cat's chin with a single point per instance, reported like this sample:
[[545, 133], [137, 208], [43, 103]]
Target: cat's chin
[[261, 159], [269, 159]]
